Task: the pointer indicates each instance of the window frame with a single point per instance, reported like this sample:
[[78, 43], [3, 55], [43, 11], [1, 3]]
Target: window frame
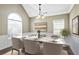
[[55, 26], [13, 20]]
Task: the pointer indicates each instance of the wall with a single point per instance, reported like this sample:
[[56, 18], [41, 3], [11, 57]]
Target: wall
[[5, 10], [5, 42], [74, 12], [73, 40], [49, 21]]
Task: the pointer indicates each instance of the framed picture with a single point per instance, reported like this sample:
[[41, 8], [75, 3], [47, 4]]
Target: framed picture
[[42, 26], [75, 25]]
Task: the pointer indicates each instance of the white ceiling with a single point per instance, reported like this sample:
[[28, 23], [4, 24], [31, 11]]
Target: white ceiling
[[51, 9]]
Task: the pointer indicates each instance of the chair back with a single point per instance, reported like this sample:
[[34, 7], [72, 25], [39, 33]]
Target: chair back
[[17, 43], [52, 49], [31, 47]]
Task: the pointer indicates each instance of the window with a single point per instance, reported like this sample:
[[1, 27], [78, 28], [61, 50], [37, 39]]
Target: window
[[58, 25], [14, 25]]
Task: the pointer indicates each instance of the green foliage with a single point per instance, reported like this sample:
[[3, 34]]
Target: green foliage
[[64, 32]]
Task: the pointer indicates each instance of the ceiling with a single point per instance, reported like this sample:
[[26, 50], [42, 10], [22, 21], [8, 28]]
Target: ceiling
[[47, 9]]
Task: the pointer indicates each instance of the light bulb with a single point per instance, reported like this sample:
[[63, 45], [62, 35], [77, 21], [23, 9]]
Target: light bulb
[[38, 17], [43, 17]]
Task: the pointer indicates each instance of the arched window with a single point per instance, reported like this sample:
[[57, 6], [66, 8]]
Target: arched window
[[14, 25]]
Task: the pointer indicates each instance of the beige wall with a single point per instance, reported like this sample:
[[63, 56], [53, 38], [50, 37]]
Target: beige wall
[[5, 10], [74, 12], [49, 21]]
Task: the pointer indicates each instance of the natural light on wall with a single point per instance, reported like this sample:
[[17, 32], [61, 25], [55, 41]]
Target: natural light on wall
[[14, 25]]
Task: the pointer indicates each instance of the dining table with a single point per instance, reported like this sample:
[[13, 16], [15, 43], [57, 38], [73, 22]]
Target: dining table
[[47, 39]]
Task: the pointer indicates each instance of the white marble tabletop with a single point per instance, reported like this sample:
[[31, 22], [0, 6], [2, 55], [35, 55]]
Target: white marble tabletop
[[43, 39], [52, 40]]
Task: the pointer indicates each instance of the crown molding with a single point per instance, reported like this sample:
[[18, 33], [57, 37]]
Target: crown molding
[[71, 8]]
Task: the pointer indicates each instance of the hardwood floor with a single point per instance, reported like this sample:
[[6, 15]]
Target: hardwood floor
[[8, 51], [16, 53], [5, 50], [69, 51]]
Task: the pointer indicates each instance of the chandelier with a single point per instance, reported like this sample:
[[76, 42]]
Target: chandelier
[[40, 15]]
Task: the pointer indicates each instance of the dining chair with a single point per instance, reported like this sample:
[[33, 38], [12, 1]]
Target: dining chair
[[16, 45], [52, 49], [31, 47]]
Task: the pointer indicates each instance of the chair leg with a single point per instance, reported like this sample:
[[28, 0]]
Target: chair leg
[[18, 52], [12, 51]]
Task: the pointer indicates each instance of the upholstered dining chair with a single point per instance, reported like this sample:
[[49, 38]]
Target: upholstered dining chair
[[16, 45], [52, 49], [31, 47]]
